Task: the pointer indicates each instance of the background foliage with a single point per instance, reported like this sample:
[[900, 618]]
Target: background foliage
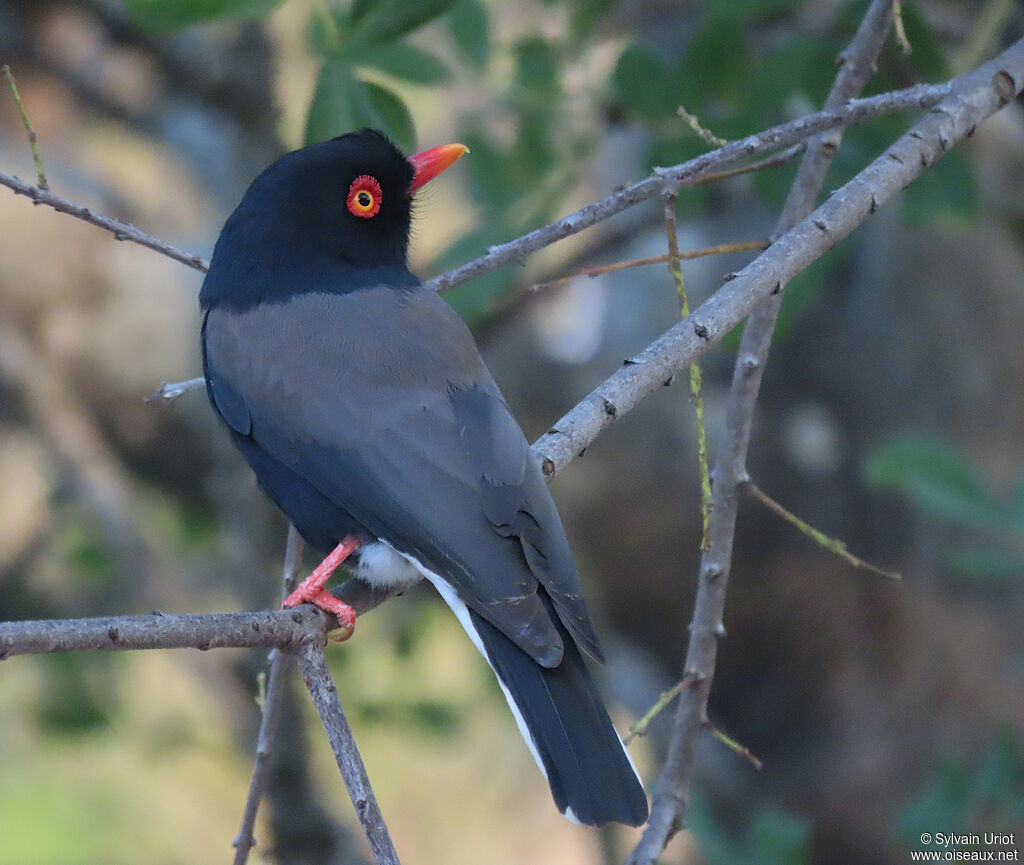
[[891, 417]]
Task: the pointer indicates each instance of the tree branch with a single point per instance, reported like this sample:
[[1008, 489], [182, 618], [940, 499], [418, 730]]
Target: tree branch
[[120, 230], [975, 96], [264, 629], [672, 794], [325, 697], [686, 174], [689, 173], [281, 666]]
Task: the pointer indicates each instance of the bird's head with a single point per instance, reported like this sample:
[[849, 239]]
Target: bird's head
[[343, 204]]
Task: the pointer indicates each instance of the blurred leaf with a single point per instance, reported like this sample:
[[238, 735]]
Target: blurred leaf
[[927, 55], [468, 25], [342, 103], [779, 838], [394, 118], [427, 716], [1017, 503], [988, 799], [936, 476], [360, 8], [643, 84], [947, 193], [402, 60], [537, 66], [942, 803], [70, 705], [751, 7], [986, 563], [1000, 775], [717, 60], [773, 838], [584, 14], [162, 16], [388, 20]]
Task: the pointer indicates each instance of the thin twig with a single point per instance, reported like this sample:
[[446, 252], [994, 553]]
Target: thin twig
[[705, 135], [120, 230], [33, 140], [281, 666], [899, 29], [696, 394], [687, 255], [172, 390], [833, 545], [773, 161], [733, 745], [978, 95], [670, 802], [689, 173], [639, 727], [685, 174], [325, 697]]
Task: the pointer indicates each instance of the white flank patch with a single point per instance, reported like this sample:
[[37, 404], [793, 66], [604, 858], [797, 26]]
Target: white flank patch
[[382, 566]]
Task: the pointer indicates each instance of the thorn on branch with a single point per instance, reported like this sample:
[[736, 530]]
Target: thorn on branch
[[32, 138], [706, 135], [734, 746], [833, 545]]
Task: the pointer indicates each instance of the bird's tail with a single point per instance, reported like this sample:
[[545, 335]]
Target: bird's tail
[[564, 723]]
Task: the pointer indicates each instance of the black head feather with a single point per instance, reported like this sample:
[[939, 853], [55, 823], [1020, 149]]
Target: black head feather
[[292, 231]]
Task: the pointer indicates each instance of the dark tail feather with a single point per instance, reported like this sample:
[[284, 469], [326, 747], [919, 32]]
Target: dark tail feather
[[573, 738]]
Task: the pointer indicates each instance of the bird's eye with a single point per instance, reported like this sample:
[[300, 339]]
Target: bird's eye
[[364, 197]]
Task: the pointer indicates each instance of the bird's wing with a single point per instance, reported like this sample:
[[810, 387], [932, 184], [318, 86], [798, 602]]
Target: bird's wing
[[380, 401]]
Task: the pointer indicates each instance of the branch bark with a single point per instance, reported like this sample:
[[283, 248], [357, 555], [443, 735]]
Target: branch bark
[[281, 666], [685, 174], [264, 629], [971, 100], [325, 697]]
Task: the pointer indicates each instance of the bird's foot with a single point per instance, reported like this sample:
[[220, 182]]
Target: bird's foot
[[312, 590]]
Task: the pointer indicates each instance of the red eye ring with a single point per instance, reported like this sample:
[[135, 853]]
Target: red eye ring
[[364, 197]]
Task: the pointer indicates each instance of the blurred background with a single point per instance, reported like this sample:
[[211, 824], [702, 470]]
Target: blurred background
[[892, 417]]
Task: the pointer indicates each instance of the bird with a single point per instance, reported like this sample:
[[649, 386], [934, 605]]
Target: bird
[[359, 399]]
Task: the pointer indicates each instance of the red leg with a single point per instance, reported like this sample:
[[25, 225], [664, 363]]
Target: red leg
[[312, 589]]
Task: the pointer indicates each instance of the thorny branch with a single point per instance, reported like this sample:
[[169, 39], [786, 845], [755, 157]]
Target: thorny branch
[[935, 134]]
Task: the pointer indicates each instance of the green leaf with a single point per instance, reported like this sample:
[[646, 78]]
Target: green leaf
[[584, 14], [392, 19], [394, 118], [340, 103], [643, 84], [717, 59], [943, 803], [163, 16], [926, 55], [470, 32], [989, 563], [936, 476], [401, 60], [537, 66], [1016, 509], [946, 194], [343, 103], [779, 839], [752, 7]]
